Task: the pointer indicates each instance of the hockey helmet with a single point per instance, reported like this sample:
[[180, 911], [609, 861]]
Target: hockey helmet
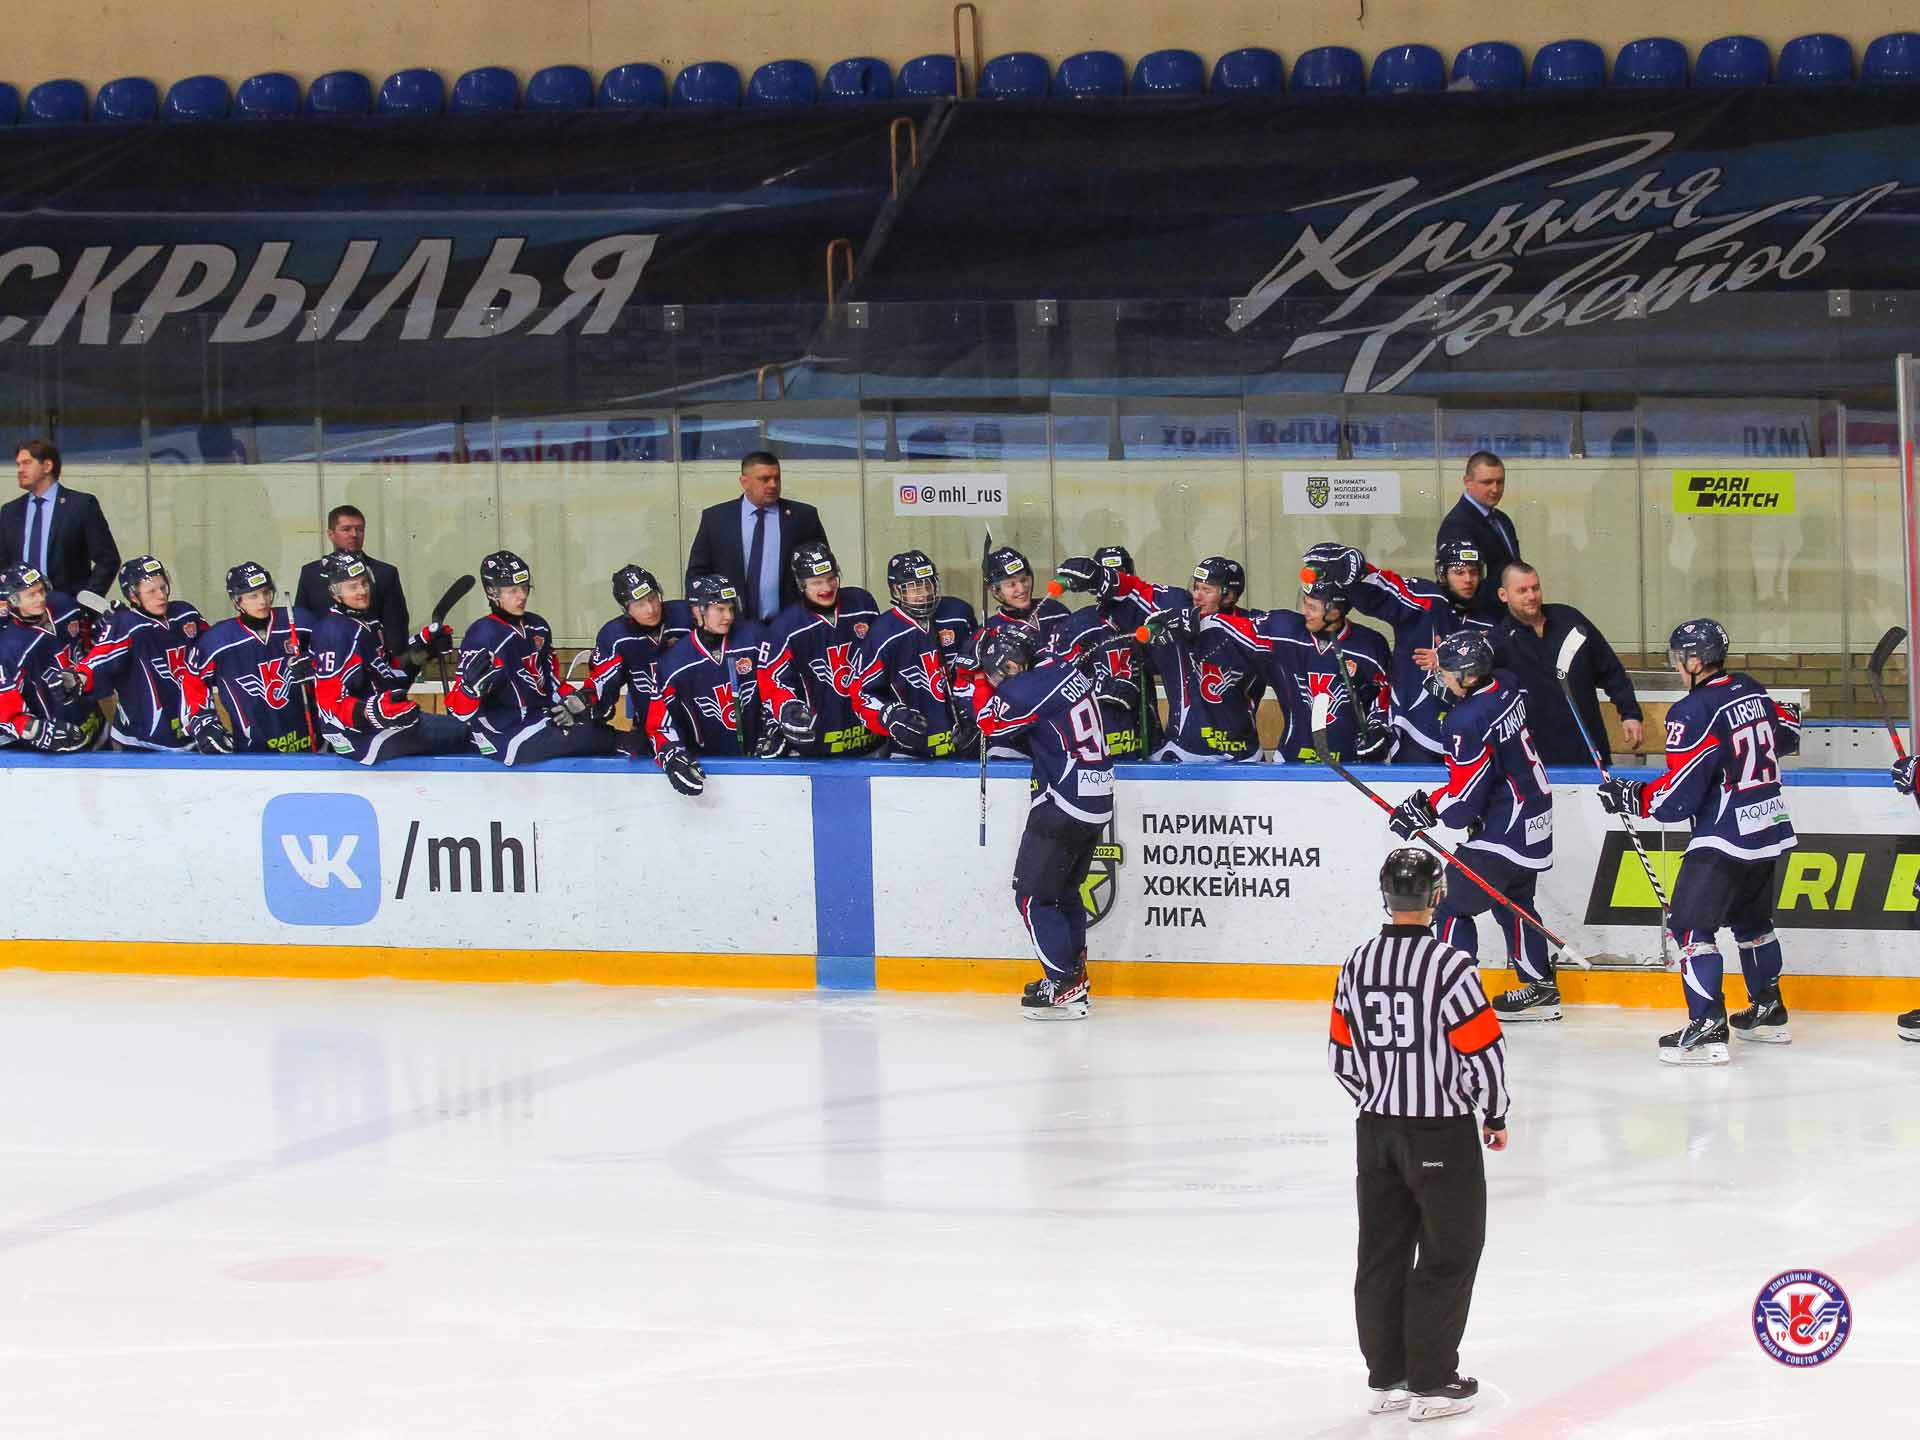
[[501, 569], [1114, 557], [142, 567], [1467, 655], [631, 583], [245, 578], [712, 590], [1412, 879], [17, 578], [1230, 576], [1702, 640], [1003, 650], [813, 561], [1449, 553], [913, 567]]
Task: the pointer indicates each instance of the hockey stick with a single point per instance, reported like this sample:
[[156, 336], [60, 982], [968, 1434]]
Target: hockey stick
[[1882, 653], [1562, 666], [443, 607], [1322, 705], [92, 600], [986, 601], [293, 649]]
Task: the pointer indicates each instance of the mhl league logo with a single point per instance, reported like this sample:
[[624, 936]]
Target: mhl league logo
[[1319, 489], [1801, 1318], [1101, 887]]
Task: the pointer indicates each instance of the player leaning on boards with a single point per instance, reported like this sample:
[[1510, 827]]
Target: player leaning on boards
[[42, 699], [1724, 740], [807, 659], [259, 664], [361, 693], [708, 699], [1416, 1046], [1047, 706], [1497, 792]]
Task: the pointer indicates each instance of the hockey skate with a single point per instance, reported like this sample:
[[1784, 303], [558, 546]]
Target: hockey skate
[[1051, 999], [1536, 1000], [1699, 1042], [1764, 1021], [1384, 1401], [1907, 1027], [1455, 1398]]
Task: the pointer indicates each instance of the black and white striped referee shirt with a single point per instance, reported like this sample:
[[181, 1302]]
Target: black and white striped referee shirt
[[1412, 1031]]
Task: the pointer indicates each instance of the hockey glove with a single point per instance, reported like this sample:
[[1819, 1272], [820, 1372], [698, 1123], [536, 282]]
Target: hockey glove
[[427, 642], [384, 712], [1342, 564], [1413, 814], [71, 683], [1376, 731], [771, 743], [209, 736], [1117, 693], [1163, 624], [1903, 773], [55, 737], [904, 725], [1620, 797], [797, 721], [298, 669], [966, 730], [1083, 576], [479, 673], [683, 772], [568, 711]]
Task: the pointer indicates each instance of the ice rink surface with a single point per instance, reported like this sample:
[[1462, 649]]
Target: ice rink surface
[[370, 1210]]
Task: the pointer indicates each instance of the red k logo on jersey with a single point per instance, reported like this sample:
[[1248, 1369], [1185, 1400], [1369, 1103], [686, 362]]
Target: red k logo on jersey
[[840, 668], [273, 683], [1214, 682], [729, 714], [932, 677], [1120, 663]]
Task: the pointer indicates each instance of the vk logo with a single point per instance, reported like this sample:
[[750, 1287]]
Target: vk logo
[[320, 859]]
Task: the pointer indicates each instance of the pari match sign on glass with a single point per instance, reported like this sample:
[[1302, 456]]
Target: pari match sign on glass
[[951, 494], [1713, 491], [1351, 492]]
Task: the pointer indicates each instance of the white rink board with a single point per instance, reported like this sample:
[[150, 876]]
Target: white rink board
[[609, 863], [1327, 906]]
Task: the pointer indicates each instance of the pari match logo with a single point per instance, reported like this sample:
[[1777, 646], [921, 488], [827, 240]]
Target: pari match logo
[[1802, 1318]]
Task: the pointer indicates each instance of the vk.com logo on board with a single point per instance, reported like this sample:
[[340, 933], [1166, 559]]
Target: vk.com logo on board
[[320, 859]]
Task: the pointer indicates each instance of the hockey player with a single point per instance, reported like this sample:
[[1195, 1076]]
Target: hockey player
[[629, 647], [806, 659], [1103, 634], [507, 692], [361, 694], [708, 700], [1724, 740], [1048, 705], [260, 665], [140, 657], [904, 670], [1214, 690], [1907, 1027], [1420, 613], [1313, 651], [1497, 792], [1009, 579], [42, 704]]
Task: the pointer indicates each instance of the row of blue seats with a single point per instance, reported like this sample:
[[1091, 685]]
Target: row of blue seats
[[1733, 60]]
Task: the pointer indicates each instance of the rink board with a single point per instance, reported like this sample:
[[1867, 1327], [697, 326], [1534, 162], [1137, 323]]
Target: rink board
[[1211, 882]]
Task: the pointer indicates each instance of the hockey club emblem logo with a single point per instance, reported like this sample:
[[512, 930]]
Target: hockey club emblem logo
[[271, 687], [946, 639], [1101, 887], [1120, 662], [1214, 682], [836, 669], [539, 643], [1802, 1318], [859, 629], [190, 629], [743, 665], [73, 629], [929, 675], [719, 707], [1319, 491]]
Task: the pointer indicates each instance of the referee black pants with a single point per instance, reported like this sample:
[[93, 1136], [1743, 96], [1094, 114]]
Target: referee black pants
[[1423, 1218]]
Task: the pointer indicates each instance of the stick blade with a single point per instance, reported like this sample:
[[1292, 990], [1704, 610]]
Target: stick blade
[[1569, 648], [1567, 952], [456, 592], [92, 600], [1883, 652]]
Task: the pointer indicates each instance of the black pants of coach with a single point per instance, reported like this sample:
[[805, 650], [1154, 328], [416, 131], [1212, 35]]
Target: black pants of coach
[[1423, 1219]]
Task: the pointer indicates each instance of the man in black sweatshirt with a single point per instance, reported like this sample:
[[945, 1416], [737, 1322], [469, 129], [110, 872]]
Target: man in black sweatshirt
[[1528, 641]]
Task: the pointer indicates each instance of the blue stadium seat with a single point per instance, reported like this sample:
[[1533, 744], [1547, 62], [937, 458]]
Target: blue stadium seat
[[1569, 65], [9, 105], [861, 78], [489, 88], [1329, 70], [781, 84], [633, 87], [1655, 63], [133, 100], [266, 97], [340, 92], [709, 85], [1816, 60], [1170, 72], [928, 77], [1253, 71], [412, 92], [1491, 65], [198, 97], [1092, 75], [1021, 75], [1732, 60], [1406, 69], [56, 102], [1892, 60], [560, 87]]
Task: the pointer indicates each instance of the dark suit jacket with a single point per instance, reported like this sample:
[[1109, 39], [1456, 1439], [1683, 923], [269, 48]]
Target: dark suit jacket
[[389, 600], [81, 554], [717, 550], [1465, 522]]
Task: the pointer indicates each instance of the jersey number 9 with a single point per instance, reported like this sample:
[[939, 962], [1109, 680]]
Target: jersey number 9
[[1089, 735]]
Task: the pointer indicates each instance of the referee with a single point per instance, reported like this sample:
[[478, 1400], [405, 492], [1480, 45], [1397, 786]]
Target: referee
[[1420, 1050]]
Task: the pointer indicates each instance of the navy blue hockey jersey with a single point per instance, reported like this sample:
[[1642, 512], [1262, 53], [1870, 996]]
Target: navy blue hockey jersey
[[1725, 738], [1494, 776], [1214, 686], [905, 661], [30, 653], [247, 668], [709, 699], [1421, 614], [626, 657], [141, 661], [352, 676], [515, 705], [808, 655], [1050, 710], [1301, 666], [1093, 638]]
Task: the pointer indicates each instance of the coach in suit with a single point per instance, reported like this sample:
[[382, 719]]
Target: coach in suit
[[62, 533], [1478, 519], [347, 530], [751, 540]]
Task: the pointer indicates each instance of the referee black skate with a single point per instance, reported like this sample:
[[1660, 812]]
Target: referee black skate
[[1420, 1050]]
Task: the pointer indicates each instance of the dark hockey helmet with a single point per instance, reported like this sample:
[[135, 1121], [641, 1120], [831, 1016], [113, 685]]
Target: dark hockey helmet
[[1702, 640], [1320, 585], [631, 583], [1114, 557], [501, 569], [340, 567], [712, 590], [16, 578], [245, 578], [1004, 564], [1003, 650], [141, 567], [1229, 575], [814, 561], [1466, 655], [913, 567], [1412, 879], [1449, 553]]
